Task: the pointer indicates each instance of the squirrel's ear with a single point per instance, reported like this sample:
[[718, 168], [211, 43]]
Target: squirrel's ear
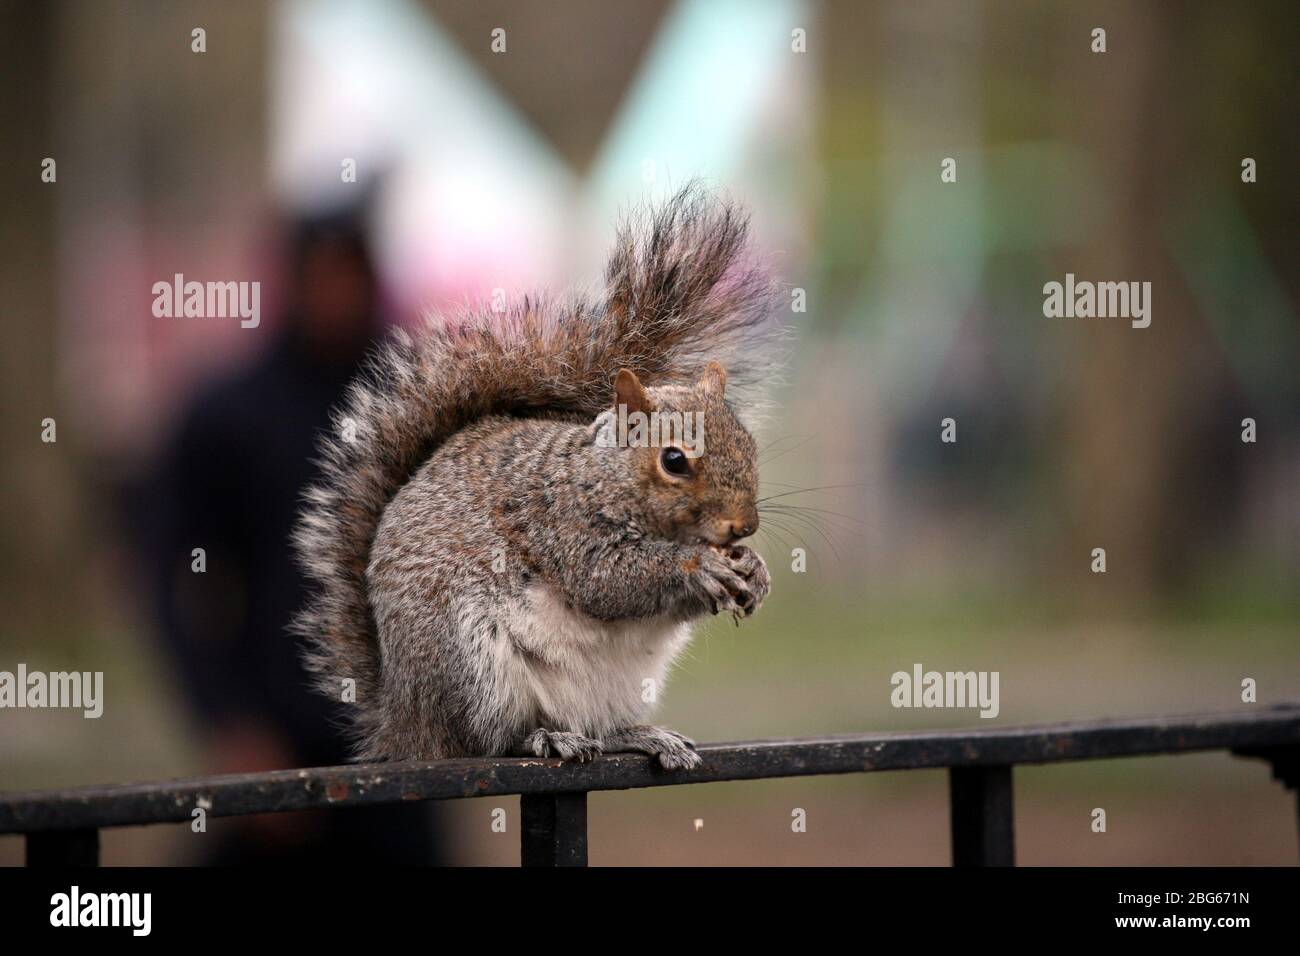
[[629, 391], [714, 379]]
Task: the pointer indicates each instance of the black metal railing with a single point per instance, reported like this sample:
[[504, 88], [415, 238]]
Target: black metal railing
[[62, 826]]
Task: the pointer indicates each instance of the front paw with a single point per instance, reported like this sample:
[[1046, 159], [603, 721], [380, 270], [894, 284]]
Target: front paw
[[720, 582], [733, 579], [749, 564], [563, 744]]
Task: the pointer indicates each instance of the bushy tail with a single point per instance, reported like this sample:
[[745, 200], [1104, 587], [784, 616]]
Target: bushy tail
[[680, 290]]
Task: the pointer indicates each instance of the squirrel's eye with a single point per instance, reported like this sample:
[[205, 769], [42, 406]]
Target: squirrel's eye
[[675, 462]]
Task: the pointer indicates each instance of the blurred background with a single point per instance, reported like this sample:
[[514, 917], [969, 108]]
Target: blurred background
[[365, 162]]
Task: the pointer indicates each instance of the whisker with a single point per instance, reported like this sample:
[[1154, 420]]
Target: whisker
[[808, 550], [844, 524], [804, 491], [762, 461], [771, 528], [776, 441], [820, 531], [826, 512], [817, 521]]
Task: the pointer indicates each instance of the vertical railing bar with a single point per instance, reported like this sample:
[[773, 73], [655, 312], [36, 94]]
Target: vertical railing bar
[[1297, 814], [1285, 762], [982, 816], [63, 848], [553, 829]]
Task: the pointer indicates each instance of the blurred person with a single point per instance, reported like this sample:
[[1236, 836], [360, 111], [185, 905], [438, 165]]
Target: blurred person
[[230, 483]]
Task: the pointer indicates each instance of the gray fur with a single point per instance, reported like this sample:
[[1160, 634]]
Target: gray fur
[[493, 579]]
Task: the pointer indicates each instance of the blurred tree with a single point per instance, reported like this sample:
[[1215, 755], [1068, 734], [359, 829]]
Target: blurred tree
[[44, 548]]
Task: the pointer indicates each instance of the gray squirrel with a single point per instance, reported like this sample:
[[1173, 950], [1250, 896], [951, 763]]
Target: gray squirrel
[[494, 573]]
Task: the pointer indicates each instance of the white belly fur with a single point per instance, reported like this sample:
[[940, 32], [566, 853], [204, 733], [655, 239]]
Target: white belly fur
[[581, 674]]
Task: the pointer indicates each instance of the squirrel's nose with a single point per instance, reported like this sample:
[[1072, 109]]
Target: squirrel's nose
[[741, 530]]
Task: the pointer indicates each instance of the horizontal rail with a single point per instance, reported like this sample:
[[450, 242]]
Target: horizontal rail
[[368, 784]]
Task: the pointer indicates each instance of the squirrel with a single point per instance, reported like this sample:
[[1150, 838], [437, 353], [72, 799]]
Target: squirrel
[[492, 568]]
